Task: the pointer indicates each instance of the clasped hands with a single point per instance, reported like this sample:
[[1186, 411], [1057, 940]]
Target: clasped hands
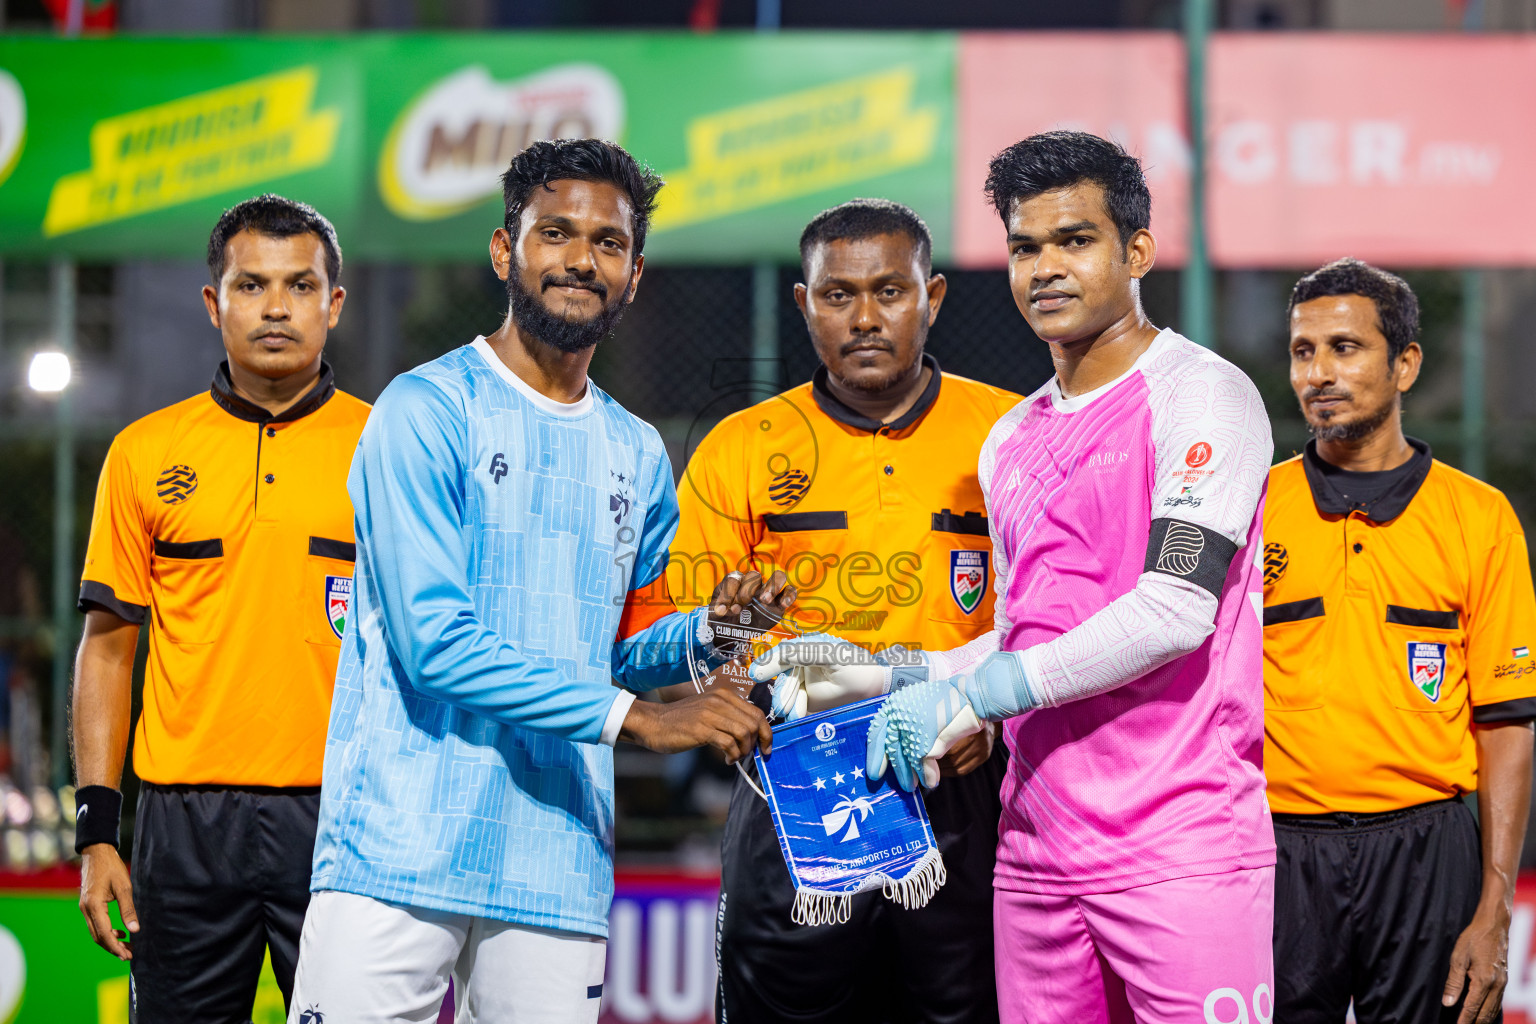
[[926, 717]]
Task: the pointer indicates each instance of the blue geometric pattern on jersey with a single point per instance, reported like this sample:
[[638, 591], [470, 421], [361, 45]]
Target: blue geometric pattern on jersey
[[496, 543]]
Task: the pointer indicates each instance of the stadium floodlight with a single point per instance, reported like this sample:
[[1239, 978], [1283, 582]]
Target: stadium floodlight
[[49, 372]]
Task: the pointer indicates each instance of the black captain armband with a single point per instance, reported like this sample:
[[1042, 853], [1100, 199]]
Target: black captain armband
[[1190, 552], [98, 814]]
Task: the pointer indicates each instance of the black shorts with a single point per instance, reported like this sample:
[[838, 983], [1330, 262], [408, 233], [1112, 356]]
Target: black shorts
[[932, 965], [220, 875], [1368, 907]]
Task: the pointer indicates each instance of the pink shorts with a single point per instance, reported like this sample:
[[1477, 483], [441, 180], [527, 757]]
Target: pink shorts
[[1196, 949]]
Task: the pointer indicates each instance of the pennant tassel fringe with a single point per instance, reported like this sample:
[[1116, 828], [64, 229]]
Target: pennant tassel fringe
[[919, 885], [813, 908], [912, 891]]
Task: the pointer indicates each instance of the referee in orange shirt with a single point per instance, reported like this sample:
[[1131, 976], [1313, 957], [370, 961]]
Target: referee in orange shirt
[[861, 486], [1398, 677], [223, 522]]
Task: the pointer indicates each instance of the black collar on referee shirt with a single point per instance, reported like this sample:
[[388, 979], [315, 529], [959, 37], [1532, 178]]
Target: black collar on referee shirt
[[223, 392], [840, 412], [1387, 493]]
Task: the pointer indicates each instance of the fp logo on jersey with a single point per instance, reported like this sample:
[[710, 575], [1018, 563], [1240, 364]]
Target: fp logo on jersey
[[1426, 668], [338, 598], [967, 578]]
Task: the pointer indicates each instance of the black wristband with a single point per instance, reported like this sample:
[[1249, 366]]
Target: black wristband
[[98, 813]]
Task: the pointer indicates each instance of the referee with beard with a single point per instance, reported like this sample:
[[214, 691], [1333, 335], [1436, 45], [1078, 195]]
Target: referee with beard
[[862, 487], [1398, 678]]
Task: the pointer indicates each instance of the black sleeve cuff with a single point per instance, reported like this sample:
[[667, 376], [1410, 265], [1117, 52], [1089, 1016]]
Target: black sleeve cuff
[[1522, 709], [95, 595]]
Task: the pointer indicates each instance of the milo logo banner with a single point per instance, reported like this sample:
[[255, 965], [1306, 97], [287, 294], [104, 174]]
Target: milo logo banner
[[753, 135], [401, 139], [842, 834]]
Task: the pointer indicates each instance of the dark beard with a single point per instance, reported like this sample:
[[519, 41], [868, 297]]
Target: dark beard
[[884, 384], [1357, 430], [534, 319]]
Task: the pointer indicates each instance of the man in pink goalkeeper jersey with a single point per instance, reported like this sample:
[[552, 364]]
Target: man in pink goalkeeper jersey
[[1135, 862]]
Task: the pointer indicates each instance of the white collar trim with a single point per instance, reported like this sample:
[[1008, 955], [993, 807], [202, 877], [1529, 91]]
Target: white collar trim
[[580, 407], [1061, 403]]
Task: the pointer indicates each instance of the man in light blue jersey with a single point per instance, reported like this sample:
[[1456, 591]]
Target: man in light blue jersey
[[513, 523]]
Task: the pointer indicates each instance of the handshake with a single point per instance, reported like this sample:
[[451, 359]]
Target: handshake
[[929, 714]]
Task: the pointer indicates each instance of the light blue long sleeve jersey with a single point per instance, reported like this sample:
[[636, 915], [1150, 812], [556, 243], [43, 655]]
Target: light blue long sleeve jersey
[[468, 765]]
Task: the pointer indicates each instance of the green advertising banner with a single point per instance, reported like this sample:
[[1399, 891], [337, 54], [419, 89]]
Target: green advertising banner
[[52, 973], [113, 148]]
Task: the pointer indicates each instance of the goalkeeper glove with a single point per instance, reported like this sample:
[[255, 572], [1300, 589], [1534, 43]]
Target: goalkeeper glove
[[918, 724]]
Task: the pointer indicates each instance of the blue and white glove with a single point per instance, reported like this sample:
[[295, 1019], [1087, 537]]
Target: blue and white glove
[[820, 671], [920, 723]]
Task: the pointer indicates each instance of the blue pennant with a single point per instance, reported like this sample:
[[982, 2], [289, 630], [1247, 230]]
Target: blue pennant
[[841, 833]]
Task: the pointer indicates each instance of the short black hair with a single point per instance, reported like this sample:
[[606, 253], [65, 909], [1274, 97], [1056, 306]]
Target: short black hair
[[276, 217], [1397, 308], [1061, 159], [581, 160], [867, 218]]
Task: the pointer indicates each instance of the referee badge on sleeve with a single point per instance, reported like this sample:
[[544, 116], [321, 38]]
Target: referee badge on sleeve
[[338, 599], [1426, 668], [967, 578]]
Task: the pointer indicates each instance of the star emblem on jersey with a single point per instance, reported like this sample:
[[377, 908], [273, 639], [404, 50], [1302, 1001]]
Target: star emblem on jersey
[[1426, 668], [619, 502], [176, 485], [968, 578], [1276, 561], [338, 601]]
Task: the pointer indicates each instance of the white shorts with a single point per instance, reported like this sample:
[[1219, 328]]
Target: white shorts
[[364, 961]]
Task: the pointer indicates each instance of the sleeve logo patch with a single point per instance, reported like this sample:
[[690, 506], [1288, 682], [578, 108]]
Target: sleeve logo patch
[[1276, 561], [338, 601], [1521, 652], [176, 485], [1198, 455], [1180, 553], [1426, 668], [968, 578]]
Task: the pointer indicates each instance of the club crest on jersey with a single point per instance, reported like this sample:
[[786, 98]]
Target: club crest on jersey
[[1426, 668], [967, 578], [338, 599]]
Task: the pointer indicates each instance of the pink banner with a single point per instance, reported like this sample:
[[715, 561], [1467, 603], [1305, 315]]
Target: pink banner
[[1407, 150], [1128, 86]]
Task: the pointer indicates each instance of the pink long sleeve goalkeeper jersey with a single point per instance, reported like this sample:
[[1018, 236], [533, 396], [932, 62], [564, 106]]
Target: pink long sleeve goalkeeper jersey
[[1126, 523]]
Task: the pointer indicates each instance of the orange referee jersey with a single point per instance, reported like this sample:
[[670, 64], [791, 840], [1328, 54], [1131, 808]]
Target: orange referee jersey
[[230, 531], [1391, 627], [881, 527]]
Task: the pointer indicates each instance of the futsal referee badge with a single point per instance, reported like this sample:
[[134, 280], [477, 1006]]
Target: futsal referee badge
[[1426, 668], [967, 578], [338, 598]]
